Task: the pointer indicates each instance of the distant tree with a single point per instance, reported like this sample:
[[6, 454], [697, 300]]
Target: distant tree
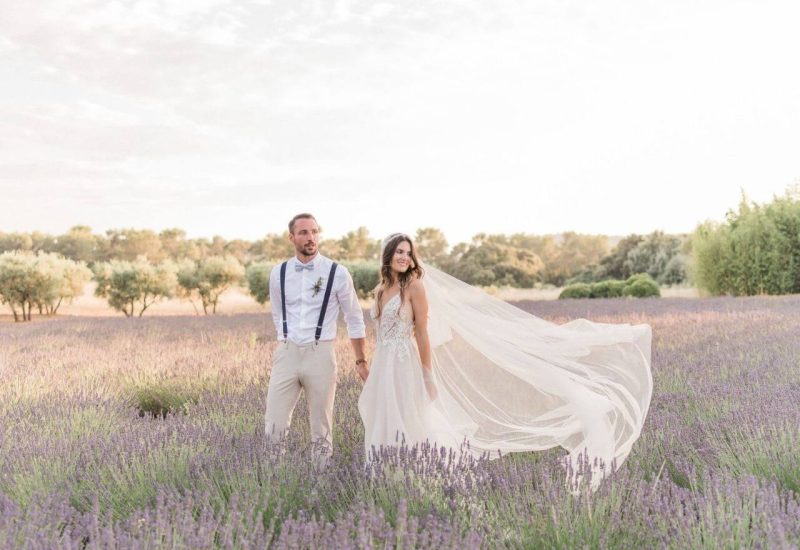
[[652, 254], [196, 249], [42, 280], [43, 242], [273, 247], [128, 285], [575, 252], [15, 241], [487, 261], [18, 283], [756, 250], [239, 249], [130, 244], [173, 243], [613, 265], [217, 246], [658, 254], [431, 246], [79, 244], [62, 279], [257, 275], [208, 279], [187, 276], [358, 245], [676, 271], [332, 248], [544, 246]]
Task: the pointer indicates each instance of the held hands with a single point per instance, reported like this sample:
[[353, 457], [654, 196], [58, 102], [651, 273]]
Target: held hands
[[430, 386], [361, 369]]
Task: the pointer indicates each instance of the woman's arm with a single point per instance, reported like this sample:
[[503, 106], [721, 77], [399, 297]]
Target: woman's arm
[[419, 304]]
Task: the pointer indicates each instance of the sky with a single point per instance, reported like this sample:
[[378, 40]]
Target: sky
[[230, 116]]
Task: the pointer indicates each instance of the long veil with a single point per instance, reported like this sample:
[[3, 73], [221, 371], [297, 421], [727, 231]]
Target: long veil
[[509, 381]]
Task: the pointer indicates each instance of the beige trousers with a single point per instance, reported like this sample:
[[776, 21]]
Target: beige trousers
[[311, 367]]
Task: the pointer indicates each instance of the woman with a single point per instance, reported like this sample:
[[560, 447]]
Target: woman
[[453, 365]]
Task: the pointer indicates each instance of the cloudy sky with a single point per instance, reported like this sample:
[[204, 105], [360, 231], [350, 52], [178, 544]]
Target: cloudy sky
[[229, 116]]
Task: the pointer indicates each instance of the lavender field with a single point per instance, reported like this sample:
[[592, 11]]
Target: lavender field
[[148, 433]]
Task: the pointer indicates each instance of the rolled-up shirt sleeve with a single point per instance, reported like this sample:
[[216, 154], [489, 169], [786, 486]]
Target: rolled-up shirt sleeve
[[348, 301], [275, 299]]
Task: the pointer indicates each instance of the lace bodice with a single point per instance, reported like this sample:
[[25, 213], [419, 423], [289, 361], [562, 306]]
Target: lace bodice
[[395, 330]]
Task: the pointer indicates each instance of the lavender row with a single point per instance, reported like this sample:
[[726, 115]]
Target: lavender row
[[118, 433]]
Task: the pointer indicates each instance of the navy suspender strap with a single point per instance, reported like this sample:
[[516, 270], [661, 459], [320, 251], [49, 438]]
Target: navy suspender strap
[[283, 300], [325, 303]]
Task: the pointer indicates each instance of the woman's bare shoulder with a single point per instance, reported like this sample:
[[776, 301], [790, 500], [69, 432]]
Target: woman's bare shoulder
[[415, 286]]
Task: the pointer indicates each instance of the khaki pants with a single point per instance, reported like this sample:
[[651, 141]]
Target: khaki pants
[[311, 367]]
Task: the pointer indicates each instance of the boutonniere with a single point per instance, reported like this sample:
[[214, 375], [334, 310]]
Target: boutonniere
[[317, 287]]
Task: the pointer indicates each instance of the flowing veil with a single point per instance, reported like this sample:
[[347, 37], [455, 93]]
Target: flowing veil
[[509, 381]]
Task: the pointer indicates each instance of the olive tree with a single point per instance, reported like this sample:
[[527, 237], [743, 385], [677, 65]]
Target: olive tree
[[206, 280], [43, 280], [132, 285], [257, 275]]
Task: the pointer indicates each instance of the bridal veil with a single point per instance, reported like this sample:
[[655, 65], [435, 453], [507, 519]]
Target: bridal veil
[[509, 381]]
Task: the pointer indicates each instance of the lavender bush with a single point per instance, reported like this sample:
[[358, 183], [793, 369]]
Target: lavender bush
[[148, 433]]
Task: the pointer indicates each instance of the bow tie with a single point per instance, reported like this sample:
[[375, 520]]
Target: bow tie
[[300, 267]]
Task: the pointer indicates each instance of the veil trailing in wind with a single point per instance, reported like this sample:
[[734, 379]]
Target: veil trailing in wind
[[509, 381]]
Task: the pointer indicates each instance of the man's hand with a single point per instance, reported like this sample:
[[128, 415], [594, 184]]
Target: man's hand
[[361, 363]]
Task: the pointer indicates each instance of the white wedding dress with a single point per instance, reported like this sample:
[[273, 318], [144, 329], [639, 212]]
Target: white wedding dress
[[506, 381], [395, 405]]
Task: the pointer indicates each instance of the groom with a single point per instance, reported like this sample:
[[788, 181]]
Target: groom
[[306, 293]]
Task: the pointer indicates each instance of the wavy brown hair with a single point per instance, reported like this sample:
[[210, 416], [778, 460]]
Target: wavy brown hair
[[387, 275]]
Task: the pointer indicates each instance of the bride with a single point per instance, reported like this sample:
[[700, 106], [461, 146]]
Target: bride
[[458, 368]]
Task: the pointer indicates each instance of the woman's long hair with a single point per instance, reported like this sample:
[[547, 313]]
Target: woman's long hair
[[414, 271]]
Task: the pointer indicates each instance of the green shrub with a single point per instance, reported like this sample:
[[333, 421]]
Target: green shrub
[[641, 286], [607, 289], [638, 277], [158, 400], [578, 290], [365, 276]]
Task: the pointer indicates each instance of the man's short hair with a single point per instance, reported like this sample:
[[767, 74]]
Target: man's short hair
[[303, 216]]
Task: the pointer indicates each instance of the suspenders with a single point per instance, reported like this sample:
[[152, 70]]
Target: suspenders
[[325, 302], [325, 299], [283, 300]]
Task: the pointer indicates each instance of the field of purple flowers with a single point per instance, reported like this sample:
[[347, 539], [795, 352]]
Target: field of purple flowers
[[148, 433]]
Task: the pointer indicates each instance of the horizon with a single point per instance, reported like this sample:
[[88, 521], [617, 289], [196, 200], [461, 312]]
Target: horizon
[[327, 235]]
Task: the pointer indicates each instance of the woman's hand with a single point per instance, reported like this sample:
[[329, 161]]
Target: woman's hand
[[362, 369], [430, 385]]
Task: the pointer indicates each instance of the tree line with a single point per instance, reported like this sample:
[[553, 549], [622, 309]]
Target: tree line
[[756, 250], [135, 268], [520, 259]]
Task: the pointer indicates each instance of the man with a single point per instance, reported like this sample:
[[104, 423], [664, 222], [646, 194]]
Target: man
[[305, 357]]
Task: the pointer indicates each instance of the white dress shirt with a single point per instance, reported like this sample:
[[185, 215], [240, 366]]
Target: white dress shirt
[[303, 304]]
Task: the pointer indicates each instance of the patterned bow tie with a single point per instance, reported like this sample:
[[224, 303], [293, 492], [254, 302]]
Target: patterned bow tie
[[300, 267]]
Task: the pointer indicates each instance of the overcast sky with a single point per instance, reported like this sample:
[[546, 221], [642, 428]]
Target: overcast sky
[[228, 117]]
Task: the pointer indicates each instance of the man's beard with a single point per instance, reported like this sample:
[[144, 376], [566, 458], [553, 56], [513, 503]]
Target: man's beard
[[304, 250]]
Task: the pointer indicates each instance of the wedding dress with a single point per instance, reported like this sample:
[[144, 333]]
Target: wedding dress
[[506, 381]]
